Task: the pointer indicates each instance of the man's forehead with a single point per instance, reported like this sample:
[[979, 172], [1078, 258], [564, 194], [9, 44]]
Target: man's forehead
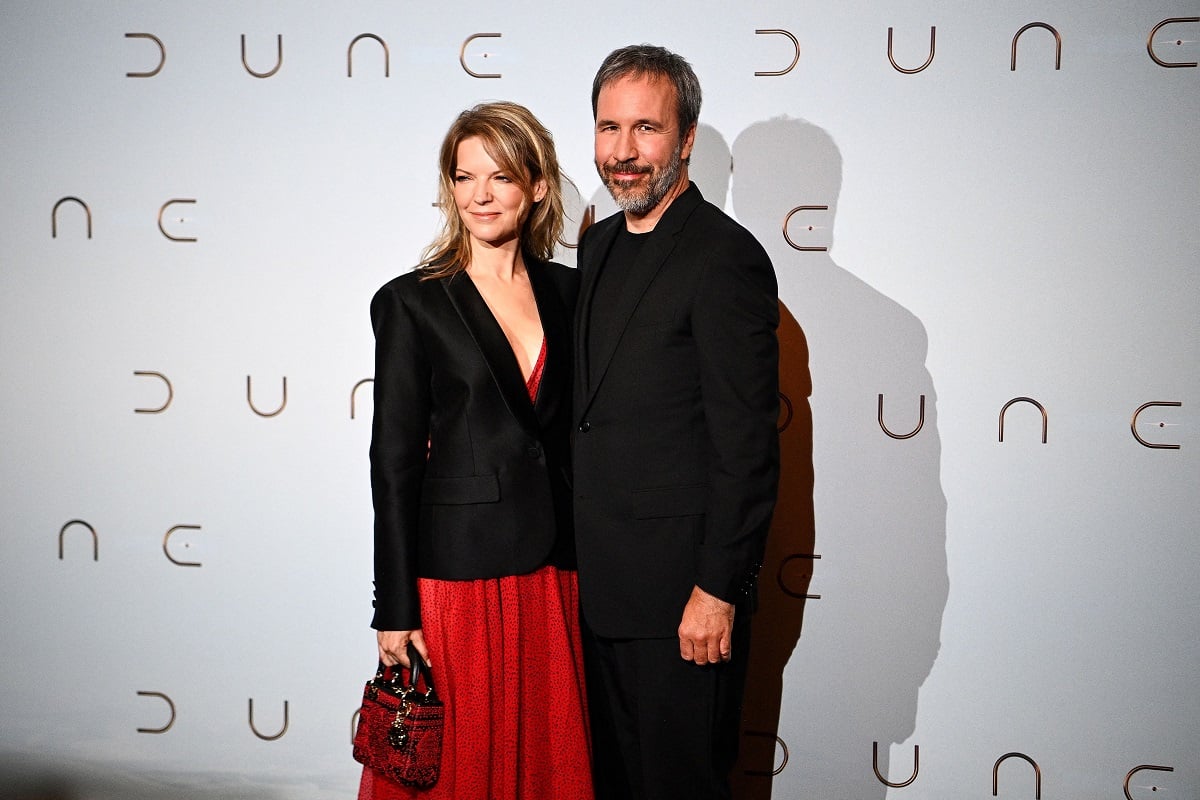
[[645, 87], [651, 80]]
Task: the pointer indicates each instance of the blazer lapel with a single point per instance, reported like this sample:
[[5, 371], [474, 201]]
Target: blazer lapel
[[650, 261], [493, 345], [601, 238], [557, 330]]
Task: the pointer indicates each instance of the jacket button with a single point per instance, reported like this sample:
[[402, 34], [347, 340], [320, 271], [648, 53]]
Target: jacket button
[[585, 426], [533, 451]]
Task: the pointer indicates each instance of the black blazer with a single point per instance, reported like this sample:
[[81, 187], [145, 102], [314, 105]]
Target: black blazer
[[469, 478], [676, 451]]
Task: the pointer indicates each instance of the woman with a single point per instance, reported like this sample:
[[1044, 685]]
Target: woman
[[474, 553]]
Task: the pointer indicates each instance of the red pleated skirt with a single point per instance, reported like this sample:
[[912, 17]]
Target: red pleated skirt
[[507, 662]]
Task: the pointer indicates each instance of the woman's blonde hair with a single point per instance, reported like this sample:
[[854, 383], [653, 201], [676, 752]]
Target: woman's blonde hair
[[523, 148]]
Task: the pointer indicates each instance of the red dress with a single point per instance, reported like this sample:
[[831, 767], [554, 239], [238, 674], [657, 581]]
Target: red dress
[[507, 660]]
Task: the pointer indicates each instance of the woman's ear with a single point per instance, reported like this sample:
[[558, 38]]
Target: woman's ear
[[539, 190]]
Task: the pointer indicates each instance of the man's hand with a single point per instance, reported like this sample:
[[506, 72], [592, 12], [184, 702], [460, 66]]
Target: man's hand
[[706, 629]]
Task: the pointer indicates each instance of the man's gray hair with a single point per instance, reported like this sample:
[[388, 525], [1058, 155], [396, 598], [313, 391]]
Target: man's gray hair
[[647, 60]]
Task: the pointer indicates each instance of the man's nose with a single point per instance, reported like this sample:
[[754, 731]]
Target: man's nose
[[624, 148]]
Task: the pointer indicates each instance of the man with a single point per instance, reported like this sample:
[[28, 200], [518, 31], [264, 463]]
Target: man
[[675, 450]]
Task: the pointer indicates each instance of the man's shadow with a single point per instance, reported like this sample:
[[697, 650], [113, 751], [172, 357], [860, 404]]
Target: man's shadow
[[788, 562], [857, 556]]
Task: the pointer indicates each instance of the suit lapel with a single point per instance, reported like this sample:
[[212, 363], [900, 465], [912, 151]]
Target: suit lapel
[[650, 261], [493, 345], [600, 241]]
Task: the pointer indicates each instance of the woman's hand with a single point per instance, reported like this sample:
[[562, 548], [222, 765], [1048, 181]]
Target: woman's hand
[[393, 646]]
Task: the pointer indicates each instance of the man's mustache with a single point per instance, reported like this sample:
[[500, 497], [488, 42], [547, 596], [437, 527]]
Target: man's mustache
[[627, 167]]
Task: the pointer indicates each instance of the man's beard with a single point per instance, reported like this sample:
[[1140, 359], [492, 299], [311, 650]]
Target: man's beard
[[645, 200]]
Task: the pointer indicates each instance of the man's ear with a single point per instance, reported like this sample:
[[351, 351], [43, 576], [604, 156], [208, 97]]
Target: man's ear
[[689, 139]]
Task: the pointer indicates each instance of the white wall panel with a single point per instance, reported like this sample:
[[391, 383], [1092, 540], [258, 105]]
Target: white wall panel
[[993, 234]]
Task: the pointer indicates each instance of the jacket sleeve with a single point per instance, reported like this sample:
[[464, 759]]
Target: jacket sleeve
[[734, 324], [399, 449]]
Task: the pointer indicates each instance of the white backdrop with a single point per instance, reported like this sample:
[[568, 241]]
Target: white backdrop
[[992, 233]]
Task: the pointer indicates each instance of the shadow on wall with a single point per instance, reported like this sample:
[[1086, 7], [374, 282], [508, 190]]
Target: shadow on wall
[[786, 573], [864, 532]]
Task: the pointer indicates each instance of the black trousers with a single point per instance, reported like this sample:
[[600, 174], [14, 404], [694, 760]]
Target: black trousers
[[663, 728]]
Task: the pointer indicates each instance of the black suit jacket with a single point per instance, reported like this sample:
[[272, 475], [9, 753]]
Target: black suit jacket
[[469, 478], [676, 452]]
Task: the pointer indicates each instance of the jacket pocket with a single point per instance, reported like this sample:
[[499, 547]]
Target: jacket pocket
[[673, 501], [460, 490]]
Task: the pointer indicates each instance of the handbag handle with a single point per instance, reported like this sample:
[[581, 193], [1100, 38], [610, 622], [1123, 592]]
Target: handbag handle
[[419, 668]]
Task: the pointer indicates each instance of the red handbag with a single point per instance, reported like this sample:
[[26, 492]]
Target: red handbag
[[400, 726]]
